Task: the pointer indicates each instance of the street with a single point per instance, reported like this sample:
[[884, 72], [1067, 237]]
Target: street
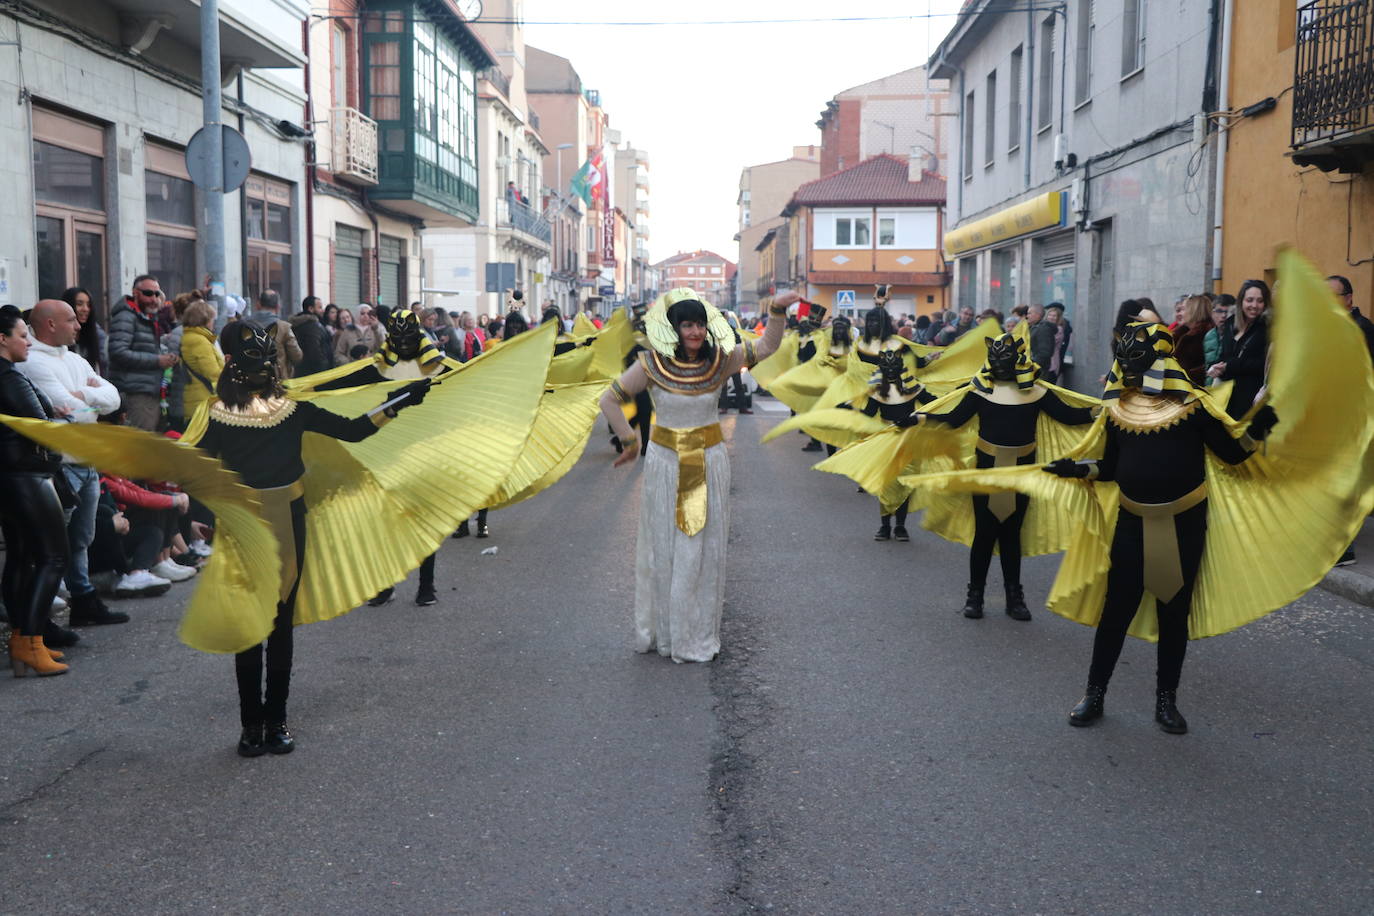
[[859, 747]]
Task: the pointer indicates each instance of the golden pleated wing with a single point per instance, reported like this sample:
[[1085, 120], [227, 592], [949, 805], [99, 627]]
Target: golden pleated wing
[[782, 359], [564, 423], [235, 599], [834, 425], [571, 367], [584, 326], [801, 386], [613, 343], [380, 506]]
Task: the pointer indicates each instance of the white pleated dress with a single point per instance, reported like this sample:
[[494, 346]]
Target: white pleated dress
[[680, 580]]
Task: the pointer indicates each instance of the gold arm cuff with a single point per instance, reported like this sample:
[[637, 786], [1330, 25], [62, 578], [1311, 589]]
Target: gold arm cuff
[[775, 310], [751, 355], [620, 393], [691, 446], [380, 419]]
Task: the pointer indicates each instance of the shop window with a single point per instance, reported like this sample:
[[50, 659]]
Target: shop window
[[348, 266], [170, 208], [69, 196]]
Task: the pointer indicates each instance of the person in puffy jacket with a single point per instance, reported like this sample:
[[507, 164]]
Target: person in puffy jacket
[[136, 357], [317, 353]]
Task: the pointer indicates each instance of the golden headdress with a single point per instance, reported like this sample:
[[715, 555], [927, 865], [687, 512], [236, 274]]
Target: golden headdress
[[663, 336]]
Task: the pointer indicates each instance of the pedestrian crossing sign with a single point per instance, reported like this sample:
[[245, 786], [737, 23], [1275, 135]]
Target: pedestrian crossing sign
[[844, 298]]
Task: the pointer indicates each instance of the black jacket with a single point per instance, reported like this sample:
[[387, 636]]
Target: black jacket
[[19, 398], [134, 349], [317, 350]]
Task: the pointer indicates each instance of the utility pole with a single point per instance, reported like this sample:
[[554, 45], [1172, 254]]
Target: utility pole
[[211, 228]]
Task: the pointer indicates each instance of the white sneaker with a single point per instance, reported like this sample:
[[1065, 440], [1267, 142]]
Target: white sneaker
[[201, 549], [59, 603], [141, 582], [172, 571]]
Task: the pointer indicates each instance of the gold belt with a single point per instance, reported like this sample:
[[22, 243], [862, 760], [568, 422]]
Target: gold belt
[[1163, 570], [1003, 504], [691, 446], [276, 511]]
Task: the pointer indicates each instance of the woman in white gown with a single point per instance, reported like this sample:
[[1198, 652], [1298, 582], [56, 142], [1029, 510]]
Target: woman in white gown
[[684, 516]]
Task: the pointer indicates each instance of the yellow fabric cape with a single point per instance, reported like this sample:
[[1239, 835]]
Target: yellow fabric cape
[[561, 429], [781, 360], [583, 326], [1276, 523], [376, 507], [802, 385], [613, 343]]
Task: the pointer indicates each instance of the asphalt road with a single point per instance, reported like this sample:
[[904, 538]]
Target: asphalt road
[[858, 748]]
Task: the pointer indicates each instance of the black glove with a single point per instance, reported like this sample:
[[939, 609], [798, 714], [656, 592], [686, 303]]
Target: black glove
[[912, 419], [1262, 423], [1067, 467], [412, 394]]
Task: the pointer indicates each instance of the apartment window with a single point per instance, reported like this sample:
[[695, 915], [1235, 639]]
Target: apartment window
[[853, 231], [384, 69], [990, 120], [968, 136], [170, 208], [887, 232], [1047, 30], [268, 237], [1014, 100], [1083, 68], [715, 270], [1132, 36], [69, 191]]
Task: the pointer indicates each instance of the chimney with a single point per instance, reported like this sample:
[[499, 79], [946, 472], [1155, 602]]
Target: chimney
[[921, 159]]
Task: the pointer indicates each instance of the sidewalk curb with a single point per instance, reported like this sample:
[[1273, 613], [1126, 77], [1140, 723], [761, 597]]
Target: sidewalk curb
[[1350, 585]]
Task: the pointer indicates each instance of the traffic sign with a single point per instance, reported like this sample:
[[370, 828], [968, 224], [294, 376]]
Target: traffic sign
[[237, 158], [844, 298]]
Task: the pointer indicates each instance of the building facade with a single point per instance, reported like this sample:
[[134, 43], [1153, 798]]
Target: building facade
[[704, 271], [1304, 162], [109, 95], [879, 221], [904, 114], [509, 243], [1080, 171], [764, 190]]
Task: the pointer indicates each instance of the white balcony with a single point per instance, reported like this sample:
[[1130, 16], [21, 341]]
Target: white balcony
[[355, 145]]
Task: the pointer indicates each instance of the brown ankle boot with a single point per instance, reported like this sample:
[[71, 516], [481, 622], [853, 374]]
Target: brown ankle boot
[[29, 656], [52, 653]]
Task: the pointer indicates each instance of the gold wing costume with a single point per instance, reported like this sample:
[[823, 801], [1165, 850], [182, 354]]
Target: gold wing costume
[[801, 386], [376, 507], [1276, 523]]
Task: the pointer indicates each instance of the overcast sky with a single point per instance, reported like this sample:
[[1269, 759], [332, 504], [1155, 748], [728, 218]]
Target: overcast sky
[[707, 100]]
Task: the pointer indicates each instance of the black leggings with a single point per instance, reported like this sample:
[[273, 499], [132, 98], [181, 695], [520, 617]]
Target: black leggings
[[254, 707], [901, 516], [1126, 584], [36, 549], [1004, 535], [643, 421]]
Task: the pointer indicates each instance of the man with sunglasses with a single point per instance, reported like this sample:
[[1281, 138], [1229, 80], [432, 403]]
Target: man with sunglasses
[[136, 357]]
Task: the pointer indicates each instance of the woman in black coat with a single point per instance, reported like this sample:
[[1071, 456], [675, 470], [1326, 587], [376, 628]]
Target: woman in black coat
[[36, 550], [1245, 347]]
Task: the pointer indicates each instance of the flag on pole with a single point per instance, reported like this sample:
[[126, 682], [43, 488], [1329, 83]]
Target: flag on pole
[[586, 184]]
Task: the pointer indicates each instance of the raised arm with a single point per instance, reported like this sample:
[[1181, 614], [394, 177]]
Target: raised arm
[[622, 391], [747, 355]]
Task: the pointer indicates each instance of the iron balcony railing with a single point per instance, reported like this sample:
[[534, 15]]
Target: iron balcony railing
[[534, 120], [498, 79], [353, 153], [515, 215], [1333, 83]]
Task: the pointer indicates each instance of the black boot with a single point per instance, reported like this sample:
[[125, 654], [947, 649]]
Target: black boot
[[250, 741], [973, 604], [482, 530], [1016, 603], [382, 597], [812, 446], [463, 530], [884, 532], [56, 636], [1089, 709], [89, 611], [1167, 714], [425, 596], [900, 533], [277, 738]]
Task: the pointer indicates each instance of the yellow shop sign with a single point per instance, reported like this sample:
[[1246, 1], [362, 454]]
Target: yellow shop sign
[[1028, 216]]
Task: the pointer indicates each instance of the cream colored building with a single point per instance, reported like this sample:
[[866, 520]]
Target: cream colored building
[[763, 192]]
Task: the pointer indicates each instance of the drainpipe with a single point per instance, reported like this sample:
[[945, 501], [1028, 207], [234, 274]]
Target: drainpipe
[[1028, 80], [1223, 104], [310, 153]]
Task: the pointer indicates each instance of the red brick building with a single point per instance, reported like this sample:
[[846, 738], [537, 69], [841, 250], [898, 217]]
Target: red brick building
[[701, 270]]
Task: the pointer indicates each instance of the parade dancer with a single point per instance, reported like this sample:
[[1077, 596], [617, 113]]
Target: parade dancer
[[1006, 399], [1157, 434], [256, 430], [684, 521], [407, 353]]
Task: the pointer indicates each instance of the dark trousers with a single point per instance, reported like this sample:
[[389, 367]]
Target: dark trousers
[[36, 549], [737, 381], [151, 531], [901, 516], [643, 421], [989, 532], [254, 705], [1126, 584]]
